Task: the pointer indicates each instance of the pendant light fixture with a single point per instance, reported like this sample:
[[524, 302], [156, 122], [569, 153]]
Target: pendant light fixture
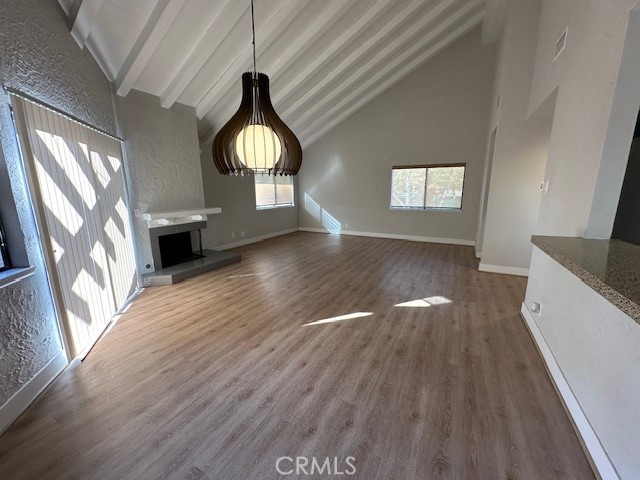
[[255, 140]]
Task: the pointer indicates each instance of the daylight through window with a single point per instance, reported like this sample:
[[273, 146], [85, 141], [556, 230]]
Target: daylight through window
[[427, 187], [274, 191]]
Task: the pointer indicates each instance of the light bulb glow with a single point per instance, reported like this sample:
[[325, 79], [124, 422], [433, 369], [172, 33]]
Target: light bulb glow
[[258, 147]]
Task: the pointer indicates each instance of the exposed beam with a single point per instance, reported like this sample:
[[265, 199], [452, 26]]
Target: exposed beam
[[330, 14], [155, 29], [496, 11], [203, 50], [312, 133], [276, 25], [336, 46], [85, 19], [383, 62], [372, 44], [313, 67]]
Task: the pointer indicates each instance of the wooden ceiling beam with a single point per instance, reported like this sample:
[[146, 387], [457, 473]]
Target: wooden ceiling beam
[[243, 62], [332, 12], [86, 16], [390, 76], [329, 16], [159, 22], [309, 108], [220, 27], [348, 36]]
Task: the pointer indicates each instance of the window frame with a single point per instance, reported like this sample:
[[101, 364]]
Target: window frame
[[426, 167], [275, 195]]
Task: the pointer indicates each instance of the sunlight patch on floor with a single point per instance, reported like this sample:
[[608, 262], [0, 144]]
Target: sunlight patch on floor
[[425, 302], [341, 318]]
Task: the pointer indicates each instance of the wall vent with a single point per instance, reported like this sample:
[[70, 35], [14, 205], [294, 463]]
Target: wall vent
[[560, 44]]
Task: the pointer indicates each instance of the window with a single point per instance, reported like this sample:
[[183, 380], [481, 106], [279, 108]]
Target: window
[[425, 187], [274, 191], [4, 256]]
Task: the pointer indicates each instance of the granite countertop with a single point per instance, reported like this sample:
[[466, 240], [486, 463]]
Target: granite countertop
[[610, 267]]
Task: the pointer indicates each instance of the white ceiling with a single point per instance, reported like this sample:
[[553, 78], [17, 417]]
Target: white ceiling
[[325, 58]]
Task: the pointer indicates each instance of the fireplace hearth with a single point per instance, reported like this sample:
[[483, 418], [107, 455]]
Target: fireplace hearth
[[177, 253]]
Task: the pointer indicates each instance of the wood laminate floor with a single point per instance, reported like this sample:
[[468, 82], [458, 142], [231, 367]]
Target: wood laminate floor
[[219, 376]]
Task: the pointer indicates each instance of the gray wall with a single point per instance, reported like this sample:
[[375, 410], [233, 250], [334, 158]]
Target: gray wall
[[594, 97], [520, 153], [38, 56], [163, 161], [437, 114], [236, 196], [596, 108]]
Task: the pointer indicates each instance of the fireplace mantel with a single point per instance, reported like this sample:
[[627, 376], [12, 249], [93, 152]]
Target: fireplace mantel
[[177, 217]]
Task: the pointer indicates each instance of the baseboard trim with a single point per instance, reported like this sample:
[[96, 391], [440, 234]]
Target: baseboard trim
[[23, 398], [411, 238], [594, 450], [486, 267], [249, 241]]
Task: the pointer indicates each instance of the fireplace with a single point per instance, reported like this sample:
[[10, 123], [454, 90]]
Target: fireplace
[[177, 248], [175, 244]]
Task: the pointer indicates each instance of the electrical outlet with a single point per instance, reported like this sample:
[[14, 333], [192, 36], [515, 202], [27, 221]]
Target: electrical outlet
[[346, 225], [242, 233], [233, 234], [536, 307], [544, 186]]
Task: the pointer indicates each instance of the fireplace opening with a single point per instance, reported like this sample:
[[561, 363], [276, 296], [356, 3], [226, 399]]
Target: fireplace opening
[[176, 248]]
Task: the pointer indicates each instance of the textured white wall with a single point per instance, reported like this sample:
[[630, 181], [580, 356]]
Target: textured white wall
[[39, 57], [163, 161], [236, 196], [597, 347], [437, 114]]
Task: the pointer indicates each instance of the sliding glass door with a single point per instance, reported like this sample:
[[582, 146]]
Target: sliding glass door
[[77, 181]]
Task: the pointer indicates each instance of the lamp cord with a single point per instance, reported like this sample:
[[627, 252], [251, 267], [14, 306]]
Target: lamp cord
[[253, 30]]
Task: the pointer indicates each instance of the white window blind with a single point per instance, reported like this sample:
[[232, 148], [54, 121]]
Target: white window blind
[[78, 186]]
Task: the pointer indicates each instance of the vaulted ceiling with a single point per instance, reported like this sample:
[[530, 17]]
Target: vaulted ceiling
[[325, 58]]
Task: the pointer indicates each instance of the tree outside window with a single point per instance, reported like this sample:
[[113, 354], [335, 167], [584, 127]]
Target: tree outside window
[[427, 187]]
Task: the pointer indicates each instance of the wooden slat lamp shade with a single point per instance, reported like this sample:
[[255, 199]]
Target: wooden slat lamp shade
[[239, 149]]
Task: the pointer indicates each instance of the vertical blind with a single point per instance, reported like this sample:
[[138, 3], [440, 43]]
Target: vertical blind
[[78, 185]]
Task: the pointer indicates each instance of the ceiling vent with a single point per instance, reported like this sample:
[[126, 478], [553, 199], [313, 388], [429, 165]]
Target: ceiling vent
[[560, 44]]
